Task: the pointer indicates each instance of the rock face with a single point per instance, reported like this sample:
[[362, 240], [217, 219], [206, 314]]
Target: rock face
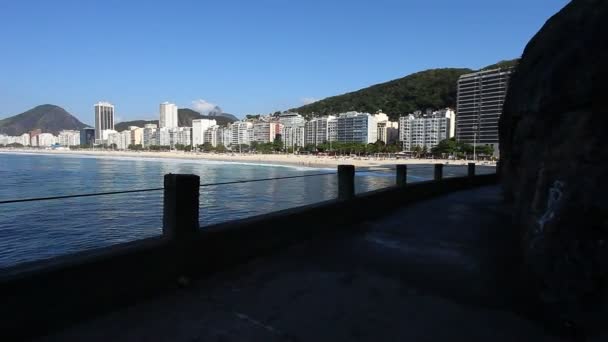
[[554, 158]]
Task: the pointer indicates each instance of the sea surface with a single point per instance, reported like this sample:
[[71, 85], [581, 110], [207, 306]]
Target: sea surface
[[42, 229]]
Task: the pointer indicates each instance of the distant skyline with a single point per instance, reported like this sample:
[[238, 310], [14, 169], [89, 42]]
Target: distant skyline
[[243, 56]]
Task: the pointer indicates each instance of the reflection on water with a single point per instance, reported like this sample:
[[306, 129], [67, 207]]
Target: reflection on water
[[36, 230]]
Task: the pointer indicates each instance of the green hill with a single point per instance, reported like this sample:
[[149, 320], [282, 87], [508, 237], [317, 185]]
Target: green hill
[[184, 119], [49, 118], [434, 88]]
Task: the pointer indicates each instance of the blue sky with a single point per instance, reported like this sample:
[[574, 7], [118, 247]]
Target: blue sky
[[245, 56]]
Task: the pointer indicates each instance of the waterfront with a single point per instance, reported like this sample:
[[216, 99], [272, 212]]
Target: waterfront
[[37, 230]]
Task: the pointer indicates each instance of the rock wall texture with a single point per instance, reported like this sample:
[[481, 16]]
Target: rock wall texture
[[554, 158]]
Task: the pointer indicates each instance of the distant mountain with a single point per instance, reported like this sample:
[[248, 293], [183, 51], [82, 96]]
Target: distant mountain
[[229, 116], [184, 119], [434, 88], [49, 118]]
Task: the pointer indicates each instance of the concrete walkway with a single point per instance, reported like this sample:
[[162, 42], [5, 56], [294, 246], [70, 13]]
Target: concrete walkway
[[435, 271]]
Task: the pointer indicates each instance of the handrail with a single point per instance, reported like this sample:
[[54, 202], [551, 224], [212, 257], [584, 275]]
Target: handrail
[[22, 200], [155, 189]]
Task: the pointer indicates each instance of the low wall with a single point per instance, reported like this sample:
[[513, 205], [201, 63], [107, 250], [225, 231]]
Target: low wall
[[45, 296]]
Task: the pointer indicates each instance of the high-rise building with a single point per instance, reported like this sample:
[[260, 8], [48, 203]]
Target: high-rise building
[[227, 136], [137, 135], [87, 136], [424, 130], [46, 139], [293, 133], [357, 127], [212, 136], [104, 120], [150, 136], [168, 115], [240, 133], [317, 131], [199, 127], [69, 138], [119, 140], [265, 132], [388, 131], [34, 136], [479, 106]]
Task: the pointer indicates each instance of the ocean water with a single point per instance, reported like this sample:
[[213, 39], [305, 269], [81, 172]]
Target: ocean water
[[37, 230]]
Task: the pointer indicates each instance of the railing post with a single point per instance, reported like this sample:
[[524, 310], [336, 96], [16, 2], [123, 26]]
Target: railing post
[[401, 175], [181, 201], [346, 182], [438, 172], [471, 170]]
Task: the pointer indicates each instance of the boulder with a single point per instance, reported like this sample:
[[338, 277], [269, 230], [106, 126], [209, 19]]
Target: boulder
[[554, 159]]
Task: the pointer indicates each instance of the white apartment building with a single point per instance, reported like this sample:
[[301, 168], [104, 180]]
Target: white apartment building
[[104, 120], [293, 129], [199, 127], [357, 127], [240, 133], [425, 130], [137, 135], [265, 132], [173, 136], [149, 135], [69, 138], [23, 139], [212, 135], [227, 136], [121, 140], [46, 139], [183, 136], [388, 131], [320, 130], [168, 115], [104, 136]]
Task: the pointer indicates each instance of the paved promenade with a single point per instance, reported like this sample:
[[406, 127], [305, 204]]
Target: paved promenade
[[435, 271]]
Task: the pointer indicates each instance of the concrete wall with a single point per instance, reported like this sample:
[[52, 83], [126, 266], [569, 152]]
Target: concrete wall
[[45, 296]]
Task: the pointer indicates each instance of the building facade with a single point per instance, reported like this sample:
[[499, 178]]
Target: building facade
[[168, 115], [23, 139], [199, 127], [317, 130], [104, 120], [46, 139], [240, 132], [137, 135], [388, 131], [87, 136], [480, 100], [355, 127], [424, 130], [265, 132], [293, 133], [69, 138], [149, 135], [119, 140]]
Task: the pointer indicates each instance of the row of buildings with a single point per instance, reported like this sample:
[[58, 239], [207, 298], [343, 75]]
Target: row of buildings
[[479, 103], [37, 138]]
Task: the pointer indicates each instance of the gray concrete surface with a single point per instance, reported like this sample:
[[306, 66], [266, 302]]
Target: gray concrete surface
[[435, 271]]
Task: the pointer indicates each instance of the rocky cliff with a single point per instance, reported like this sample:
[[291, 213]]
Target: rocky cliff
[[554, 160]]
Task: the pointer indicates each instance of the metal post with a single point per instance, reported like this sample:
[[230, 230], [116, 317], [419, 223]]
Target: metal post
[[346, 182], [438, 172], [471, 170], [181, 202], [401, 175]]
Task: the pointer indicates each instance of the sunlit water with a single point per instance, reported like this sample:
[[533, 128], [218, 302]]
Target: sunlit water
[[37, 230]]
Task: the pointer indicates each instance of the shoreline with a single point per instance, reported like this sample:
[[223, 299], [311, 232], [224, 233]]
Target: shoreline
[[269, 159]]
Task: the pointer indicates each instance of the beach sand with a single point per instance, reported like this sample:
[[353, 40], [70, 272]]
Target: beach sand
[[281, 159]]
